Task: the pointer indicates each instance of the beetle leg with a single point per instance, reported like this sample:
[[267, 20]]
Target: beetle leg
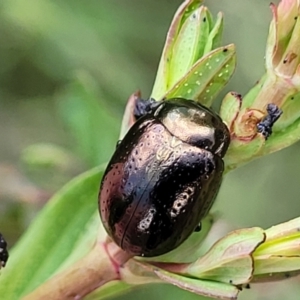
[[118, 143], [143, 107], [240, 287], [3, 251], [198, 228]]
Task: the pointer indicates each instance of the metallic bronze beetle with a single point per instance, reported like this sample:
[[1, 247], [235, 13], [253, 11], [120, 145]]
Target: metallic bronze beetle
[[163, 177]]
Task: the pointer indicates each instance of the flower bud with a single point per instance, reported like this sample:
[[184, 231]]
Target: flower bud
[[267, 119]]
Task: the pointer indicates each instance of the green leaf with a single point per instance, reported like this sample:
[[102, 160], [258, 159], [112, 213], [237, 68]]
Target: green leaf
[[92, 124], [215, 36], [192, 34], [186, 9], [162, 77], [291, 109], [112, 289], [64, 231], [50, 166], [207, 77], [189, 44], [279, 255], [240, 152], [282, 139], [230, 108], [230, 259], [201, 287], [277, 266], [283, 230]]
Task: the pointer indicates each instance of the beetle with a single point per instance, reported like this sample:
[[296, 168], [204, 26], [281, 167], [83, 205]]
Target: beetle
[[3, 251], [266, 124], [163, 177]]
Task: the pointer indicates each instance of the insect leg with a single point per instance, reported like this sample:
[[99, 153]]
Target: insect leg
[[198, 228], [143, 107]]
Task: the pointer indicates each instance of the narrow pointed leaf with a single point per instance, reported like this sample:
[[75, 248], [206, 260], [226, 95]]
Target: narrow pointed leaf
[[112, 289], [277, 265], [66, 224], [283, 230], [207, 77], [207, 288], [291, 113], [88, 119], [279, 256], [230, 108], [230, 259], [162, 77], [189, 44], [282, 139], [215, 36]]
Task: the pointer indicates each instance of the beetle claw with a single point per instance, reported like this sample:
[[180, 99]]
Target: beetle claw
[[198, 228]]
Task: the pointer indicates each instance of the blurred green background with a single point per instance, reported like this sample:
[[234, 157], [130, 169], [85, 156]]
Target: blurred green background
[[67, 69]]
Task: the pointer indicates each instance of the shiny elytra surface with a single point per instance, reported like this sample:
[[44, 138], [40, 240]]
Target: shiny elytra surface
[[157, 187]]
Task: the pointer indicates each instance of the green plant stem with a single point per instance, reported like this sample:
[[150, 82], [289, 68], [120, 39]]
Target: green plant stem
[[99, 266]]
